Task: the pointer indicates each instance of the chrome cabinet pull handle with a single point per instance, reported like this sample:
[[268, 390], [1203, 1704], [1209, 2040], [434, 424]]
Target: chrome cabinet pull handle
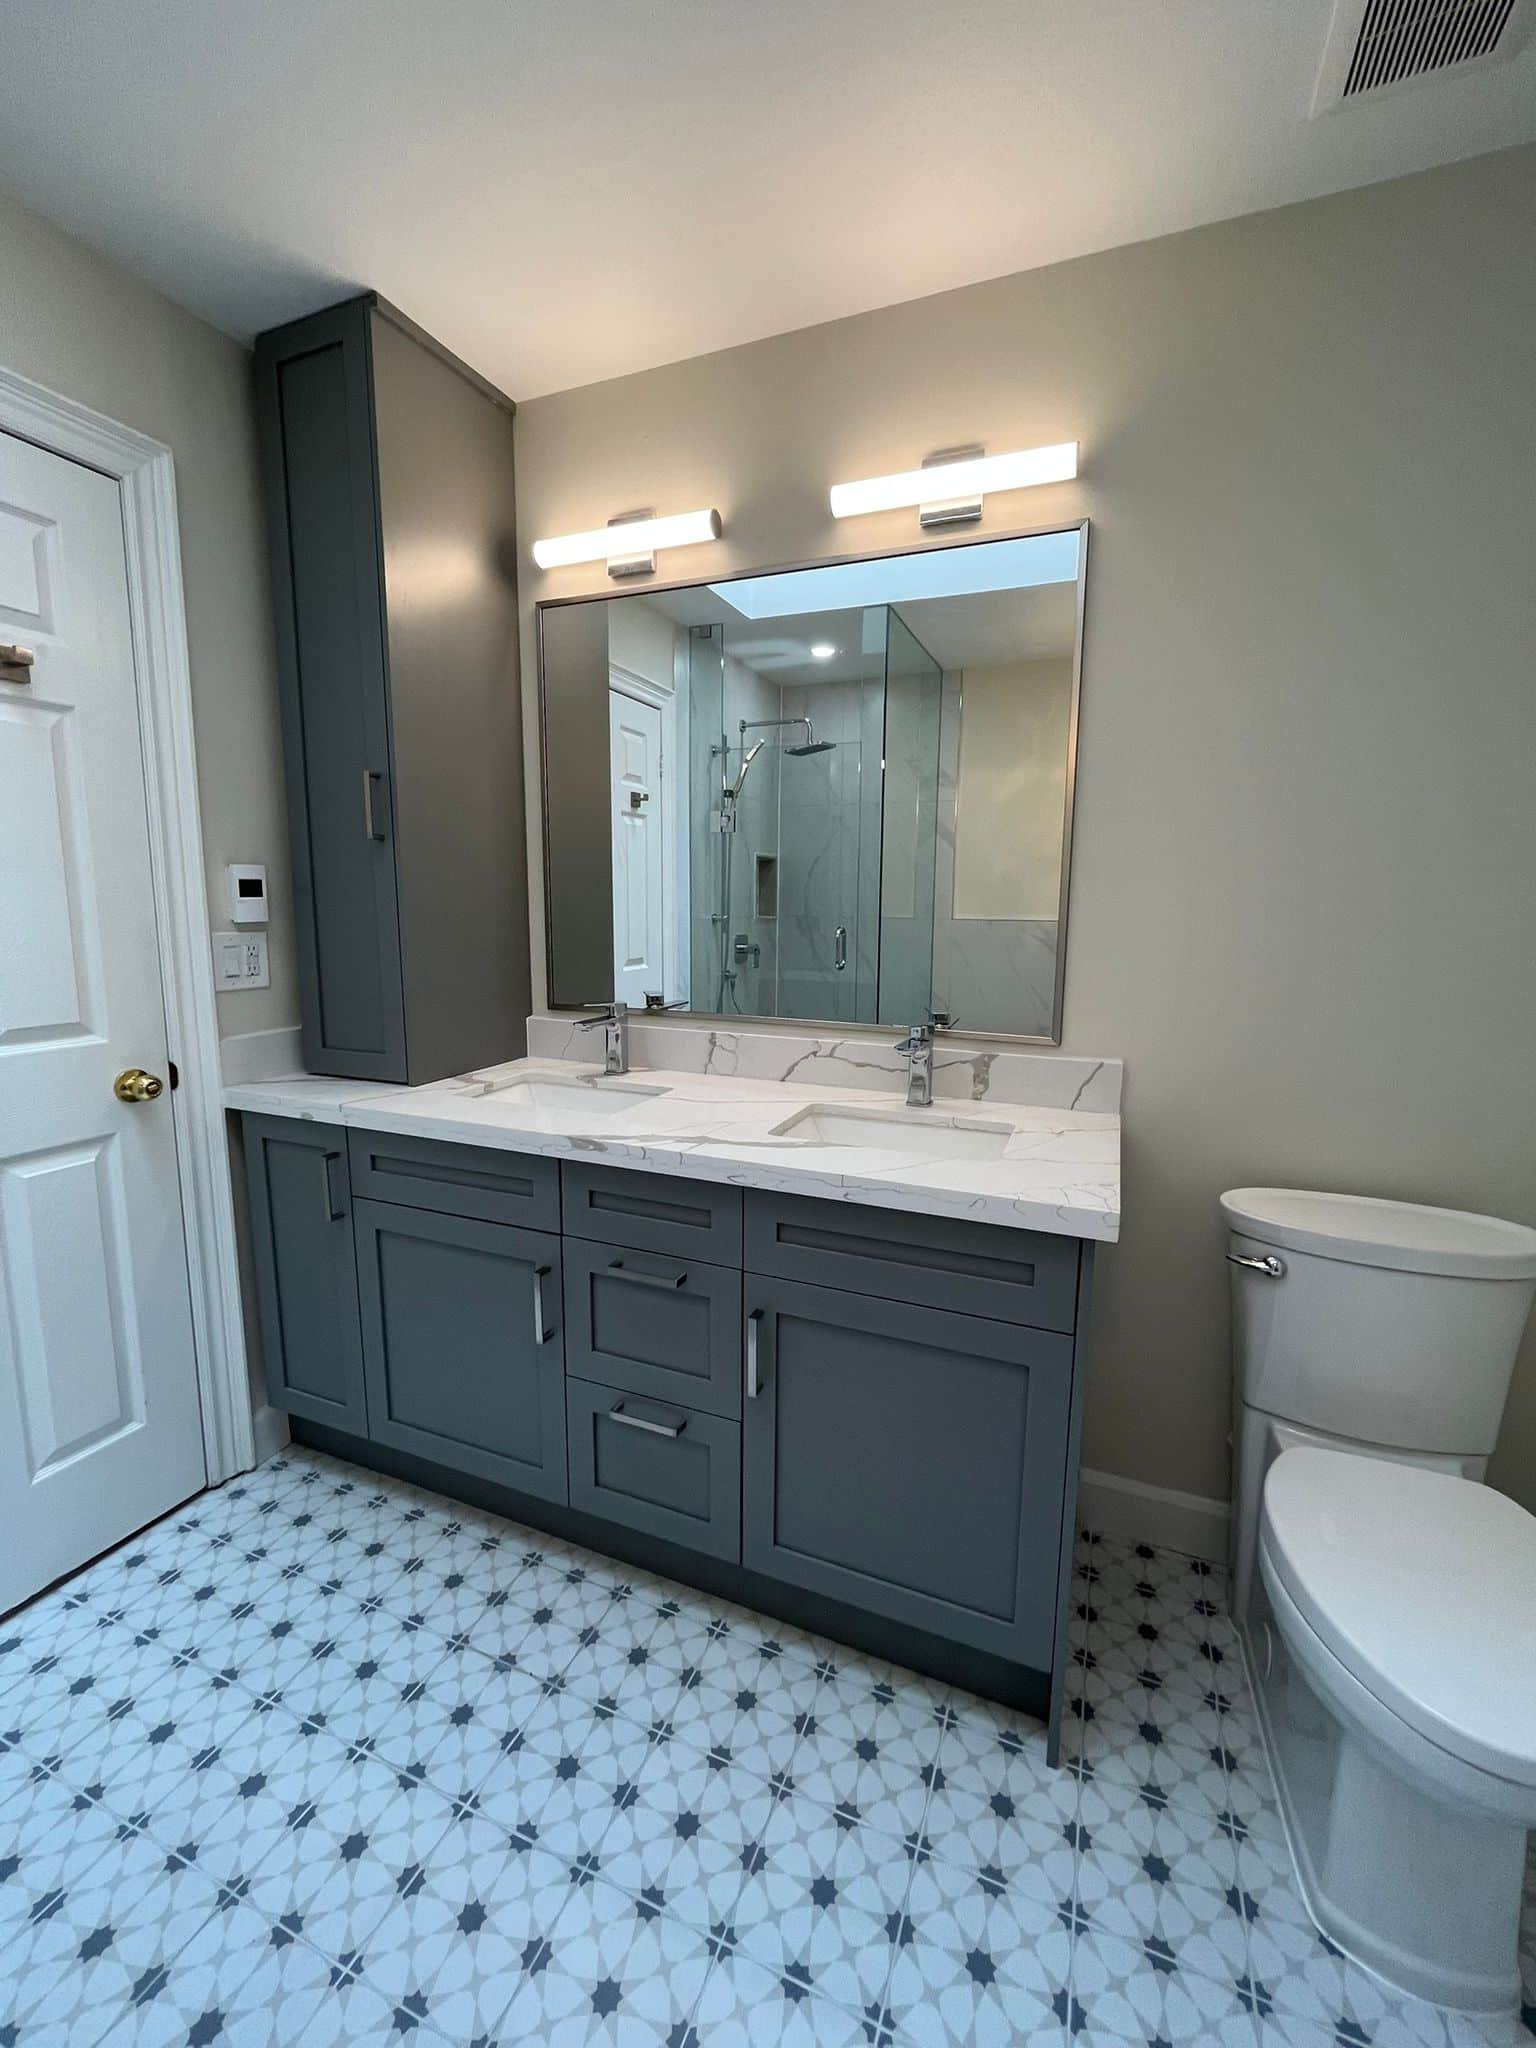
[[540, 1334], [616, 1414], [1271, 1267], [840, 948], [754, 1380], [335, 1211], [370, 825], [666, 1280]]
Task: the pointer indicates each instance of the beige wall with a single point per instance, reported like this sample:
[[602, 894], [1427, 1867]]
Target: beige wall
[[1305, 855], [76, 323], [1011, 788]]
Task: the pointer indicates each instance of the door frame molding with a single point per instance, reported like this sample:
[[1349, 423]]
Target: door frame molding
[[144, 472]]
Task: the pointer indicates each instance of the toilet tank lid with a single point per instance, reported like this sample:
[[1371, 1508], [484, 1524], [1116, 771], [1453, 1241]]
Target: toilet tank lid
[[1424, 1586], [1366, 1230]]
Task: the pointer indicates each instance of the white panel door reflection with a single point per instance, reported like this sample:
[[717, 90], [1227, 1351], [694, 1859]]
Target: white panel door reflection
[[639, 905]]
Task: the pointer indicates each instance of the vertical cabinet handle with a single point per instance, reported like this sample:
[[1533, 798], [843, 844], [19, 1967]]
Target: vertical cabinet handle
[[840, 955], [370, 823], [335, 1205], [541, 1335], [754, 1380]]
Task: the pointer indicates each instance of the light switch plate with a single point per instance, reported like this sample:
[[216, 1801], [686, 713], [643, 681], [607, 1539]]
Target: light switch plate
[[240, 960]]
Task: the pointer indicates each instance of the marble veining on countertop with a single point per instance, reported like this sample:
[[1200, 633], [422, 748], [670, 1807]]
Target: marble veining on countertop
[[1058, 1169]]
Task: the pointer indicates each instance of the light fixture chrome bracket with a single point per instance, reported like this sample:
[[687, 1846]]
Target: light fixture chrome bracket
[[952, 511], [632, 565]]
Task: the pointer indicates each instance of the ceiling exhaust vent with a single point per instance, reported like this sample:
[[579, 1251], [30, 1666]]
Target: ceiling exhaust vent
[[1377, 45]]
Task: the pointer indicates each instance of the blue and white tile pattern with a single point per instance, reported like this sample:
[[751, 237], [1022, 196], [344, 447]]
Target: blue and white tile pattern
[[324, 1759]]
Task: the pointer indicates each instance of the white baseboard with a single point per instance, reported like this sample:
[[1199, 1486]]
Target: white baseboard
[[1129, 1511], [260, 1055], [270, 1427]]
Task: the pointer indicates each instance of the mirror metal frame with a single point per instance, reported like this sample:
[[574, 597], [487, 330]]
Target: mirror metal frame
[[841, 1026]]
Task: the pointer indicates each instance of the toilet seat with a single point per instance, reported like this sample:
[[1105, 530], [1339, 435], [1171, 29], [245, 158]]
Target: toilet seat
[[1422, 1588]]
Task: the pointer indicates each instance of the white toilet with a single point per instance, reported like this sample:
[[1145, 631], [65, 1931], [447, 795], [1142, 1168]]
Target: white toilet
[[1388, 1600]]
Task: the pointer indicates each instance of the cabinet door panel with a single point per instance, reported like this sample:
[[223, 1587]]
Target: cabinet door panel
[[462, 1344], [909, 1461], [306, 1277], [666, 1327], [314, 406]]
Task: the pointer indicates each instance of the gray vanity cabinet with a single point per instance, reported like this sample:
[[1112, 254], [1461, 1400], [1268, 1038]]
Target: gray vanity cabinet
[[907, 1461], [462, 1343], [306, 1281], [383, 459], [862, 1420]]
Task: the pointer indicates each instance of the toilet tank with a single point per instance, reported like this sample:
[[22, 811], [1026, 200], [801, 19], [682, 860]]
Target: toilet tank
[[1386, 1322]]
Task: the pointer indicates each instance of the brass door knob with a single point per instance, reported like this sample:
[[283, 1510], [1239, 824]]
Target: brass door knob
[[134, 1085]]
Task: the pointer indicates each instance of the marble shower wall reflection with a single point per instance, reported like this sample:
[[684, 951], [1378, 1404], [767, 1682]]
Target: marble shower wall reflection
[[998, 882]]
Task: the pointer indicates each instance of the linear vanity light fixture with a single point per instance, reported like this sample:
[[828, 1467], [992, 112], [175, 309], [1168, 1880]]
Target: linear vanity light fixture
[[629, 542], [950, 486]]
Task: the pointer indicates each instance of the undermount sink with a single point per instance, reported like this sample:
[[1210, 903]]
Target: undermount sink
[[597, 1096], [929, 1136]]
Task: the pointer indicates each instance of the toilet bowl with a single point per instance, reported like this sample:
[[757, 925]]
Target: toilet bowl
[[1386, 1601], [1394, 1646]]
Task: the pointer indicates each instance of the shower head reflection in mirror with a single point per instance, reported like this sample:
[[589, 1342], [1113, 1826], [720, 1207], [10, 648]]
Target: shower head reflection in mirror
[[904, 732]]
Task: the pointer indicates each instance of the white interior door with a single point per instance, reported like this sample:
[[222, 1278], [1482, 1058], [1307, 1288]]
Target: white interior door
[[100, 1427], [639, 898]]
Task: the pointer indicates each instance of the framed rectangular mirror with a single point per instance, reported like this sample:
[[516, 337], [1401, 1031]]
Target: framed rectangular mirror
[[841, 794]]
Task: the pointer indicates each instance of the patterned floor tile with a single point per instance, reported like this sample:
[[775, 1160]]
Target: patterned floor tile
[[1154, 1998], [323, 1758], [996, 1805], [744, 2005], [238, 1983], [613, 1974], [94, 1905], [687, 1832], [450, 1952], [822, 1903], [979, 1962]]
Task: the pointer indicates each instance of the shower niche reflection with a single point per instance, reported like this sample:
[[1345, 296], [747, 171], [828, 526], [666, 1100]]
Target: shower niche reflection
[[841, 794]]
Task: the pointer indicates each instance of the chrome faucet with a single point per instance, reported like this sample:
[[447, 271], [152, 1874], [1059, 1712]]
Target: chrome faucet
[[918, 1047], [614, 1018]]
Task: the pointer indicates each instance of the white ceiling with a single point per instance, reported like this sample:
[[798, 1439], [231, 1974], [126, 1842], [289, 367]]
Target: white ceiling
[[564, 190]]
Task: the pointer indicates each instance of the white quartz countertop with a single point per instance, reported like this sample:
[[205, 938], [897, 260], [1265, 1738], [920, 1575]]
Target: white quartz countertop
[[1053, 1170], [1056, 1169]]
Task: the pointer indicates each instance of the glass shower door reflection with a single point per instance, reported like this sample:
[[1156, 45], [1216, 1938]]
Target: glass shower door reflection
[[909, 826], [823, 970]]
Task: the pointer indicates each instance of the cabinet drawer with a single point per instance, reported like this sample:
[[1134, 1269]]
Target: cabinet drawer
[[458, 1180], [662, 1326], [655, 1212], [981, 1269], [908, 1461], [461, 1343], [654, 1466]]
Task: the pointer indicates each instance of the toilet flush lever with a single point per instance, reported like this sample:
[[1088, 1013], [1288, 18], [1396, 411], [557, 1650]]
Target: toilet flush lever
[[1271, 1267]]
